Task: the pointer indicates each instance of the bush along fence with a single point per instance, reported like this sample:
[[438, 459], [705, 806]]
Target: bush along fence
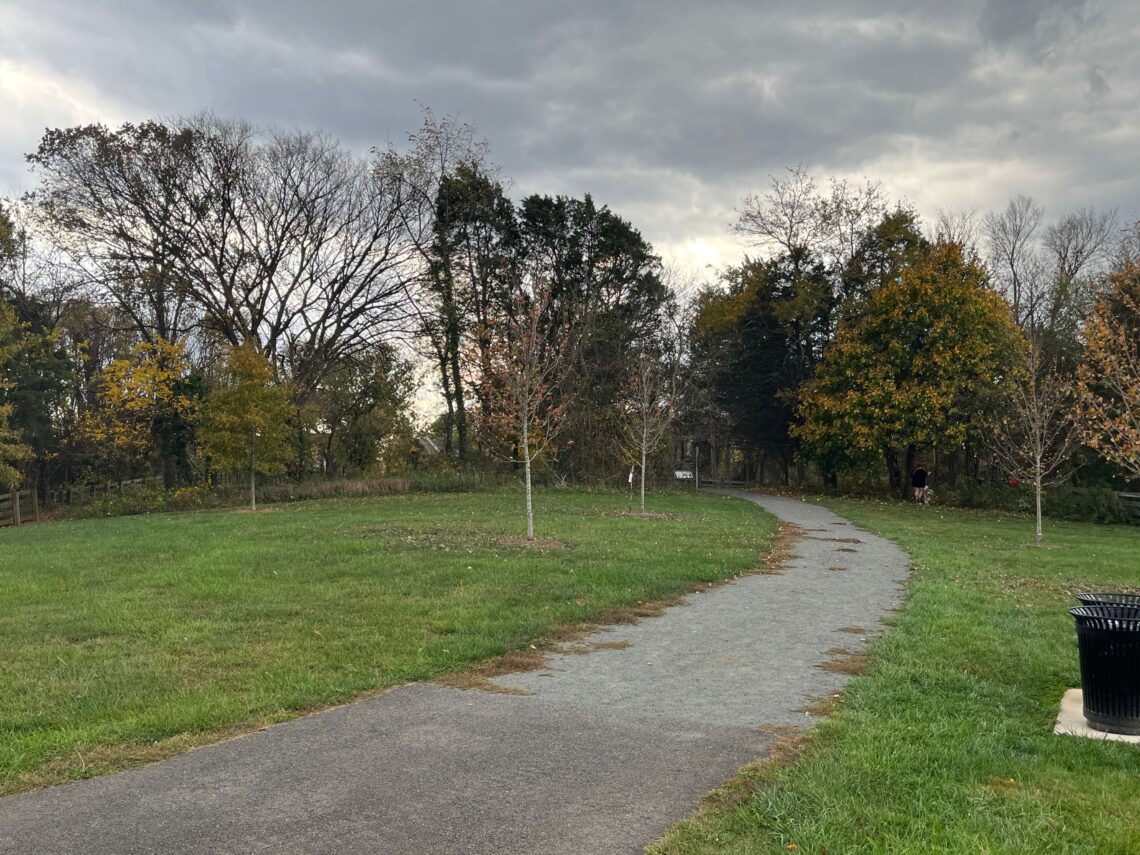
[[23, 506], [74, 494]]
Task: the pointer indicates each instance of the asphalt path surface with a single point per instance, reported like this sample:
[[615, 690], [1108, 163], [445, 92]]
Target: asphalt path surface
[[601, 755]]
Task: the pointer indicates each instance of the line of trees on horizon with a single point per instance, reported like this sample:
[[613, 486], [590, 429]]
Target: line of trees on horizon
[[201, 298]]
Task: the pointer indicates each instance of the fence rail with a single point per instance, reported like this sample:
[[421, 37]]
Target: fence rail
[[19, 507], [85, 492], [22, 506], [1131, 504]]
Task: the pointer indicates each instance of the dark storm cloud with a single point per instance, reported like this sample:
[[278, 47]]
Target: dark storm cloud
[[668, 111]]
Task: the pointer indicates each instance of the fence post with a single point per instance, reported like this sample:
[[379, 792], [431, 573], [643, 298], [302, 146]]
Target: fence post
[[36, 502], [16, 504]]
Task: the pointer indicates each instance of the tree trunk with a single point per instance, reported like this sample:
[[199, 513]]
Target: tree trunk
[[457, 390], [908, 469], [169, 472], [893, 476], [252, 476], [644, 442], [529, 491], [449, 414], [1037, 490]]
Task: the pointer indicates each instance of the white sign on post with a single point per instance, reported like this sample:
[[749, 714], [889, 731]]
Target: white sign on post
[[682, 474]]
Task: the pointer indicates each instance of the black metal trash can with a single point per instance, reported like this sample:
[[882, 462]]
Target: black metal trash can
[[1108, 638], [1101, 598]]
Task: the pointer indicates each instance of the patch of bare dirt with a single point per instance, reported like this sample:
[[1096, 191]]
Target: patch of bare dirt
[[854, 630], [835, 539], [646, 515]]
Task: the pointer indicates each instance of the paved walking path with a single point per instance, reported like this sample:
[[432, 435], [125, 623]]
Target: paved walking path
[[605, 752]]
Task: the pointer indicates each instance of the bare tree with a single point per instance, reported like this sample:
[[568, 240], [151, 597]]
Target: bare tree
[[846, 216], [436, 151], [794, 216], [1035, 437], [784, 219], [1013, 256], [111, 202], [646, 408], [960, 227], [524, 398], [283, 240]]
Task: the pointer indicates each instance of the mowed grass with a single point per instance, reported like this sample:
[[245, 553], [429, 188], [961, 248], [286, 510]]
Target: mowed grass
[[946, 745], [126, 640]]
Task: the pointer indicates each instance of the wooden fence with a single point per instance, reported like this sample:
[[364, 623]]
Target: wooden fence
[[1131, 503], [86, 492], [23, 506], [19, 507]]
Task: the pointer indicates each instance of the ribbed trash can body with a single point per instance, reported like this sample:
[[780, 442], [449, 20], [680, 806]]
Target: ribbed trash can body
[[1109, 599], [1108, 638]]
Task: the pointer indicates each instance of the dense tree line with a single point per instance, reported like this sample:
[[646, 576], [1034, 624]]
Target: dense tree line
[[863, 344], [200, 298], [155, 262]]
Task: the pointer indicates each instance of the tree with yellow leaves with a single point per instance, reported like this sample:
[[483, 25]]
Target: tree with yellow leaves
[[1108, 381], [146, 407], [244, 424], [929, 353]]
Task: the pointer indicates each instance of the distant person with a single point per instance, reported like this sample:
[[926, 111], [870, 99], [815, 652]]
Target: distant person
[[918, 481]]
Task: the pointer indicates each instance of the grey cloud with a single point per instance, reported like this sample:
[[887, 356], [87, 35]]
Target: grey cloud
[[669, 109]]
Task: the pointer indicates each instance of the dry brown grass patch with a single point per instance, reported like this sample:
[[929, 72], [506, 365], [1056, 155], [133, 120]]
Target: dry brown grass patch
[[781, 550], [480, 676], [786, 748], [610, 645], [854, 665], [633, 614], [821, 707], [854, 630]]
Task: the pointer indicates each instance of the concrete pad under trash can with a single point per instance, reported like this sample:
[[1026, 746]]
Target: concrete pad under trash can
[[1071, 721]]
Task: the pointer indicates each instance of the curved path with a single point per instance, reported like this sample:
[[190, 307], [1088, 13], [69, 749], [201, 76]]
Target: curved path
[[602, 755]]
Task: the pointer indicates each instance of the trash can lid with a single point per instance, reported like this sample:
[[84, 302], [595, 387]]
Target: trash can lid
[[1108, 598], [1122, 618]]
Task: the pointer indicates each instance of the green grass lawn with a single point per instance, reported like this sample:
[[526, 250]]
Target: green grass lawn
[[946, 745], [125, 640]]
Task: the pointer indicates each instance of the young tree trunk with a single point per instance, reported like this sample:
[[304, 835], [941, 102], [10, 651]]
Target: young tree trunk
[[1037, 490], [252, 476], [529, 491], [644, 441]]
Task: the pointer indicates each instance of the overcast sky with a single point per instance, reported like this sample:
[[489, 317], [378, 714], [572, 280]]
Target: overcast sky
[[669, 112]]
